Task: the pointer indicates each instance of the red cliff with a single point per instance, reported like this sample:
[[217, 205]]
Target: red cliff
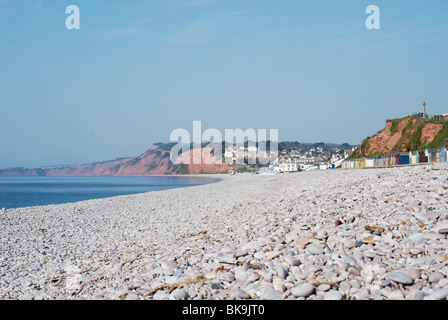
[[155, 161]]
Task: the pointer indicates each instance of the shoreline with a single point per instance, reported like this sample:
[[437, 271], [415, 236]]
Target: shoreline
[[189, 176], [300, 236]]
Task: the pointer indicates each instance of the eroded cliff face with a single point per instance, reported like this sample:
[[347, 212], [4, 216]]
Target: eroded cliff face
[[401, 135], [429, 132], [155, 161], [205, 161]]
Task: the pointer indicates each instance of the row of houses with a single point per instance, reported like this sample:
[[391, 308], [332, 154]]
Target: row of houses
[[295, 166], [401, 158], [236, 154]]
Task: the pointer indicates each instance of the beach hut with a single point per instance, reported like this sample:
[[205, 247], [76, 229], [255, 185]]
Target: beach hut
[[394, 160], [390, 160], [370, 163], [360, 163], [442, 154], [350, 164], [427, 155], [438, 155], [432, 155], [376, 161], [413, 157], [422, 156], [381, 162], [402, 158]]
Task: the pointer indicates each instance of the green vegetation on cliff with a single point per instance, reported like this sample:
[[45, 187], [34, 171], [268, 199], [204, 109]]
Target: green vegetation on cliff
[[441, 139], [410, 138]]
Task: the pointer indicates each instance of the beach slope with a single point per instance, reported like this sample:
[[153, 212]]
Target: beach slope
[[335, 234]]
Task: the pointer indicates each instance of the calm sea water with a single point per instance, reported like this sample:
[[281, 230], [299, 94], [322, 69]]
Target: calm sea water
[[17, 192]]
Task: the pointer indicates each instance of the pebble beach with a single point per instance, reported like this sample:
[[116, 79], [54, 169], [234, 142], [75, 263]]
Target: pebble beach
[[361, 234]]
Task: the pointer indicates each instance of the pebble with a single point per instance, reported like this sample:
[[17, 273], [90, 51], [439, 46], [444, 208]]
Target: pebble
[[304, 290], [354, 271], [259, 255], [324, 287], [395, 295], [167, 265], [278, 284], [435, 277], [414, 273], [161, 295], [292, 262], [443, 283], [282, 272], [272, 255], [241, 275], [439, 294], [419, 295], [322, 234], [246, 237], [302, 243], [269, 293], [179, 294], [333, 295], [216, 286], [210, 275], [350, 243], [315, 249], [244, 295], [132, 296], [401, 277]]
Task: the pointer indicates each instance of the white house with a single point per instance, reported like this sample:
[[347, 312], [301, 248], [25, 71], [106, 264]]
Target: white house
[[323, 166], [285, 166], [252, 152]]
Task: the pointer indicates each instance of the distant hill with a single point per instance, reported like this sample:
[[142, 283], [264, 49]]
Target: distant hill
[[410, 133], [156, 161]]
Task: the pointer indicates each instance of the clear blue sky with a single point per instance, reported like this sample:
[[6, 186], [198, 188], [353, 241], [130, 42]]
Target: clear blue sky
[[136, 70]]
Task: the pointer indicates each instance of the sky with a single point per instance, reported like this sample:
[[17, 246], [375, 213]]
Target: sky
[[138, 69]]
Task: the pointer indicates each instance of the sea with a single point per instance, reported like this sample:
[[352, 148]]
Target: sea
[[18, 192]]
